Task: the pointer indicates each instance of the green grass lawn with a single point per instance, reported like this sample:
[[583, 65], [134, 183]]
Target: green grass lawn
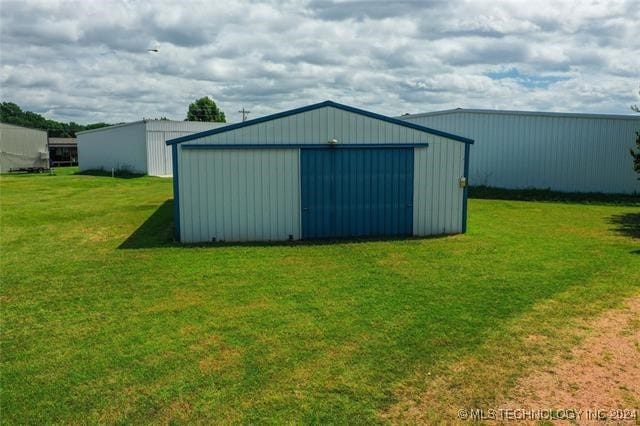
[[105, 319]]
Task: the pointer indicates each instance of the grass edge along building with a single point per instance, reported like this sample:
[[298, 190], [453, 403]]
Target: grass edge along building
[[325, 170]]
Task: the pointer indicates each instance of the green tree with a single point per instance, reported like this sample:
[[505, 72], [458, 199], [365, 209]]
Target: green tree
[[205, 109], [9, 111]]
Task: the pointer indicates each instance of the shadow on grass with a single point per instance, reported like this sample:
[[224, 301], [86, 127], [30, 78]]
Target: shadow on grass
[[104, 173], [318, 242], [627, 224], [157, 231], [485, 192]]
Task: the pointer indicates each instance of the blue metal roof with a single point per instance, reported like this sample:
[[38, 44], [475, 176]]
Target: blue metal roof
[[316, 106]]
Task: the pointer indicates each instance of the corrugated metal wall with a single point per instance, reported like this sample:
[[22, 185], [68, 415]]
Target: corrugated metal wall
[[139, 147], [318, 126], [563, 152], [119, 147], [21, 147], [438, 197], [438, 168], [160, 131], [359, 192], [159, 154], [239, 195], [185, 127]]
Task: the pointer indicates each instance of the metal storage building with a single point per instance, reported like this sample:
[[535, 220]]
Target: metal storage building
[[322, 171], [137, 147], [560, 151], [22, 147]]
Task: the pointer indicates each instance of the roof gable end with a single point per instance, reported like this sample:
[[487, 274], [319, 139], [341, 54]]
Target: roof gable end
[[324, 104]]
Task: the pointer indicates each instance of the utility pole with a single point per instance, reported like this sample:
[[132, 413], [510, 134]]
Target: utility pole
[[244, 113]]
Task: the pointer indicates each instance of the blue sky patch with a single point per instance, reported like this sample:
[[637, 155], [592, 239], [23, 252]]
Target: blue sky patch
[[531, 81]]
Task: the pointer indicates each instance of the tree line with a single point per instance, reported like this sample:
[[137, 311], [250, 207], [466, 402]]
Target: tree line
[[203, 109], [11, 113]]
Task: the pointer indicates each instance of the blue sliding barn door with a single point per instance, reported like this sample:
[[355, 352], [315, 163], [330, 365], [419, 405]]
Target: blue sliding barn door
[[356, 192]]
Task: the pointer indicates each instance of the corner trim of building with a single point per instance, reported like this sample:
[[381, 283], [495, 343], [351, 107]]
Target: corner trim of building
[[465, 192], [176, 192]]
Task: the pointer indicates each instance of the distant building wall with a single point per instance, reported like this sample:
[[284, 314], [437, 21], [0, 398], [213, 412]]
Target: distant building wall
[[160, 131], [21, 147], [120, 147], [563, 152], [138, 147]]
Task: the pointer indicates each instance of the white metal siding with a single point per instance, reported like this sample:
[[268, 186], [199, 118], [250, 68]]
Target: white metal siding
[[526, 150], [239, 195], [21, 147], [185, 127], [159, 132], [437, 196], [317, 127], [159, 154], [138, 146], [118, 147]]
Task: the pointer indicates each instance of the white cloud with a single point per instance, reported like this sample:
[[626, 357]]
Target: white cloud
[[88, 61]]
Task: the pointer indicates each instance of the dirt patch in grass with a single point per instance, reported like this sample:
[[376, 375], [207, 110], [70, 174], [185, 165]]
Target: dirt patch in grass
[[206, 343], [177, 411], [603, 372], [218, 356], [581, 364]]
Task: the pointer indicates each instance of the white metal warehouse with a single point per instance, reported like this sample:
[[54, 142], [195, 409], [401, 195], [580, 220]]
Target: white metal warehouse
[[22, 148], [322, 171], [137, 147], [560, 151]]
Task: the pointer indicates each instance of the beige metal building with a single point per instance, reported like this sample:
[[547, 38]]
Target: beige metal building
[[22, 148]]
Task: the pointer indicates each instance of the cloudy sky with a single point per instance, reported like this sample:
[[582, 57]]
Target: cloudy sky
[[88, 61]]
